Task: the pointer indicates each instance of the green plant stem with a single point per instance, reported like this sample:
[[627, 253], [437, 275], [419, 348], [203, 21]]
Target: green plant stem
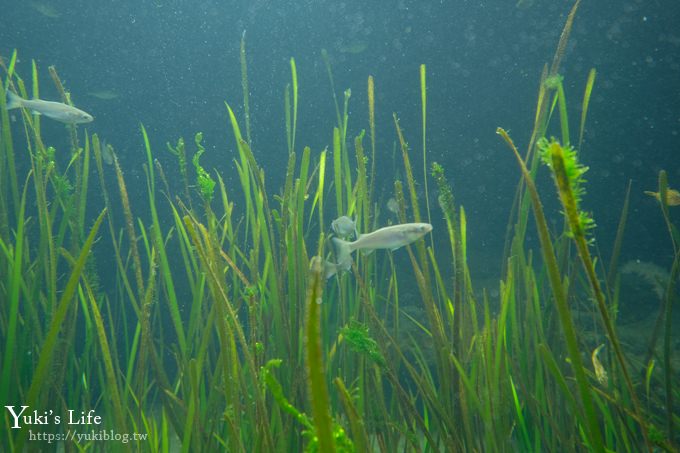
[[371, 125], [47, 351], [548, 252], [579, 235], [318, 393], [668, 304], [244, 86], [423, 103], [616, 250], [13, 302]]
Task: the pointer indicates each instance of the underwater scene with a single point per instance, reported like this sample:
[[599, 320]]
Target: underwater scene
[[340, 226]]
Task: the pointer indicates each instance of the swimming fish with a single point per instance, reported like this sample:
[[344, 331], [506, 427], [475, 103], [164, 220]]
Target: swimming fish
[[672, 196], [391, 237], [344, 226], [55, 110]]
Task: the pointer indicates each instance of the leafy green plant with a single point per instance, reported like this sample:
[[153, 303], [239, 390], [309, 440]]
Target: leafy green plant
[[205, 183]]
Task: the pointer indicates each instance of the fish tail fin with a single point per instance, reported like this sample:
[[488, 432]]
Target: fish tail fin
[[331, 269], [327, 268], [13, 101], [342, 252], [319, 264]]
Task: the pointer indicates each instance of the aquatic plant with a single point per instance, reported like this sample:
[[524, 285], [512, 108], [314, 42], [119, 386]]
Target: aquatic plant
[[205, 183], [359, 340]]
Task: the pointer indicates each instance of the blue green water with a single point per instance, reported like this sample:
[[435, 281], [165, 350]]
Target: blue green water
[[172, 64]]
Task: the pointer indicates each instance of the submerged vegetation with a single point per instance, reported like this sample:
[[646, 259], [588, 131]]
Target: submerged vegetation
[[207, 329]]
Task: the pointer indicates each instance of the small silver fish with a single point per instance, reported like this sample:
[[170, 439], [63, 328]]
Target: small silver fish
[[345, 227], [391, 237], [55, 110]]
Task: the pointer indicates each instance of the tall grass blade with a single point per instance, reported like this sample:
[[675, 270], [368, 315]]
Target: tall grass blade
[[50, 343], [618, 241], [594, 433], [294, 80], [569, 190], [14, 285], [371, 128], [564, 39], [423, 103], [244, 86], [586, 102], [316, 381]]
